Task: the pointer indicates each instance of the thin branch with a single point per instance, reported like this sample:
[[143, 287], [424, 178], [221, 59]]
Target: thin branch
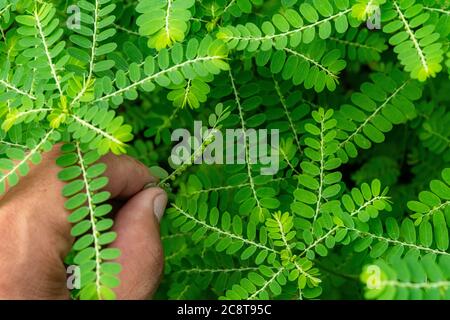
[[246, 146], [385, 103], [238, 186], [288, 115], [218, 270], [321, 168], [415, 285], [167, 24], [93, 221], [11, 87], [446, 12], [156, 75], [314, 62], [95, 129], [119, 27], [266, 284], [47, 52], [397, 242], [288, 33], [334, 229], [93, 53], [27, 157], [223, 232], [14, 145], [412, 37], [355, 44]]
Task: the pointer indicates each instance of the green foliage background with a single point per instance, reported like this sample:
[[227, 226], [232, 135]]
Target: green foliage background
[[361, 205]]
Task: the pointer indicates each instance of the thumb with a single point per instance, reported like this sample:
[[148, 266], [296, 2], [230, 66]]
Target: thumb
[[142, 259]]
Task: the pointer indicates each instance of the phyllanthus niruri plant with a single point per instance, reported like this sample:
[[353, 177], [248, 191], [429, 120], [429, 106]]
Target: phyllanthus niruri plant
[[357, 91]]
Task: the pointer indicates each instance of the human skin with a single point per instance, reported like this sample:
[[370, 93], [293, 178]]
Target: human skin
[[35, 234]]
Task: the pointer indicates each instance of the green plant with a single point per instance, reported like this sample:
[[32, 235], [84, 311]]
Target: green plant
[[362, 118]]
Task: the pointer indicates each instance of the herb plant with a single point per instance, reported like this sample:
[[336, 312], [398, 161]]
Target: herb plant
[[360, 205]]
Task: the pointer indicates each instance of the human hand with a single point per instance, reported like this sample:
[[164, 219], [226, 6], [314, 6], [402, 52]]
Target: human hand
[[35, 234]]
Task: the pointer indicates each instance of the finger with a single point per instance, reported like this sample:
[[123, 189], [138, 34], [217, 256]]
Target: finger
[[137, 226], [41, 204], [127, 176], [47, 169]]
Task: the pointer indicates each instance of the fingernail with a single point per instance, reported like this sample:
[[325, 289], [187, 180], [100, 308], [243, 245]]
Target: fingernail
[[159, 205], [151, 185]]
